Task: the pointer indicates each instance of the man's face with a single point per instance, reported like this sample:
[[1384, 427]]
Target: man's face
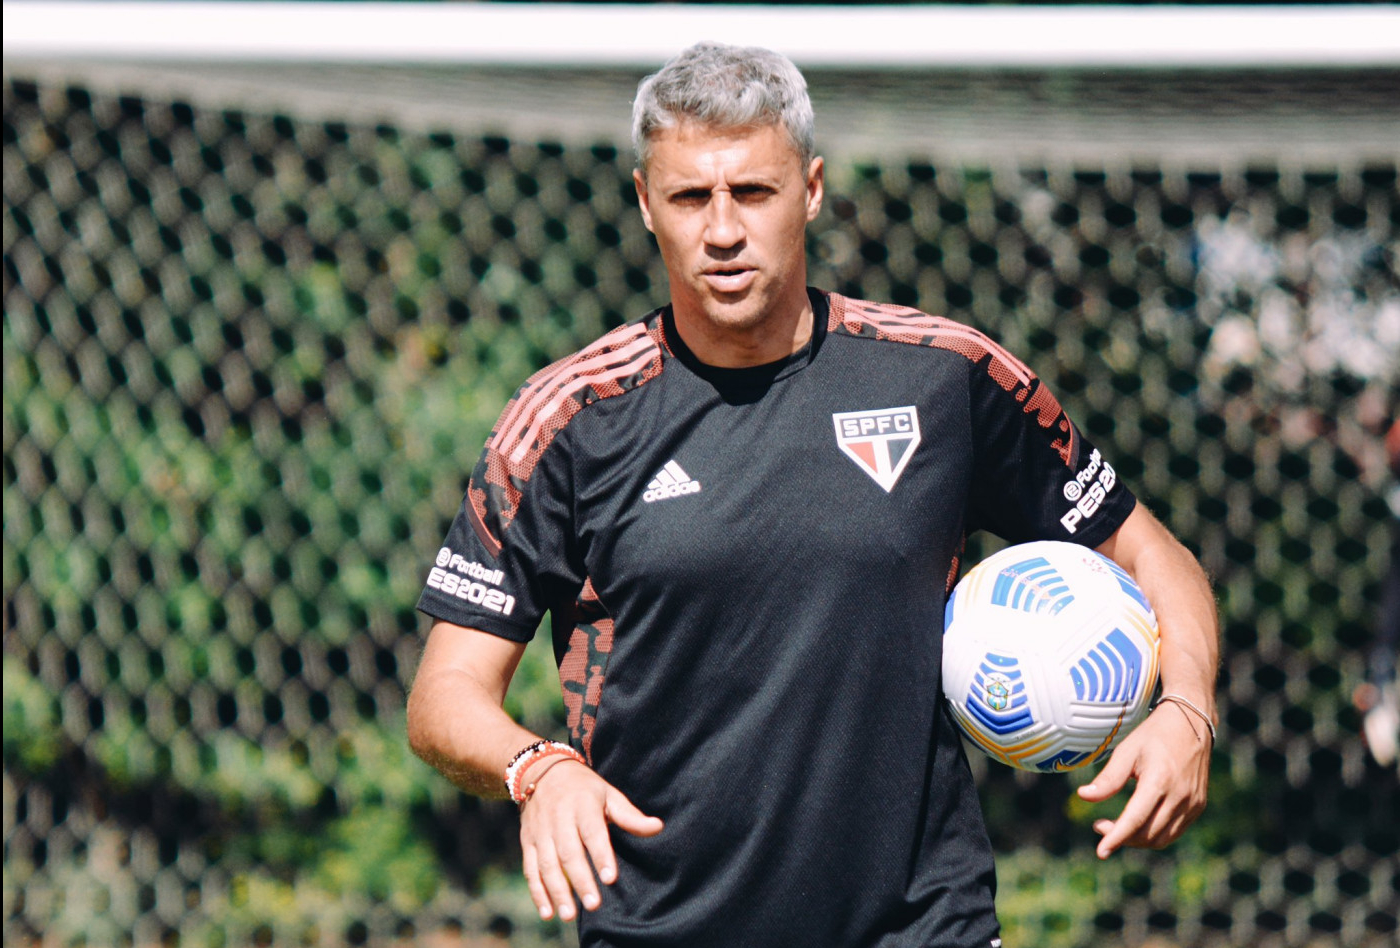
[[729, 208]]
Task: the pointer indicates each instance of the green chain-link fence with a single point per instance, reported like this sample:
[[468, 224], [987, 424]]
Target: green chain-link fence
[[249, 361]]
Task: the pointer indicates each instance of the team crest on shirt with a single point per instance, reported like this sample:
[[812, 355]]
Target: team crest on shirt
[[881, 441]]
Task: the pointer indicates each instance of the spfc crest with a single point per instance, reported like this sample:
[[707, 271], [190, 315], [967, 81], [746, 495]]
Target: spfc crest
[[880, 441]]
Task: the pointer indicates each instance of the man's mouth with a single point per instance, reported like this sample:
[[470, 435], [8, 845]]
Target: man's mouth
[[729, 279]]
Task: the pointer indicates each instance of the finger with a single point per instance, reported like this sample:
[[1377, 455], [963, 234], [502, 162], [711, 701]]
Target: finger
[[530, 864], [1113, 778], [555, 882], [1139, 809], [593, 829], [626, 816], [574, 860], [1176, 810], [1163, 831], [1170, 821]]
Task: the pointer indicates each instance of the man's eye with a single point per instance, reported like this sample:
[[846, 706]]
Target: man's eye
[[690, 197], [752, 193]]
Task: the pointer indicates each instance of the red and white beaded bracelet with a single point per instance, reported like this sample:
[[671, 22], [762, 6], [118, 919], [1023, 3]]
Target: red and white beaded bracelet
[[528, 756]]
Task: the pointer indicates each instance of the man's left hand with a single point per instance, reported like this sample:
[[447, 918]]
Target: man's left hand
[[1168, 755]]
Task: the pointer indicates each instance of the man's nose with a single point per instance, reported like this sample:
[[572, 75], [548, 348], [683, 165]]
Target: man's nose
[[723, 227]]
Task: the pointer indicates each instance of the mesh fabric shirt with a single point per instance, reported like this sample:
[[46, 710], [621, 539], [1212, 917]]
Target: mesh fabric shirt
[[747, 570]]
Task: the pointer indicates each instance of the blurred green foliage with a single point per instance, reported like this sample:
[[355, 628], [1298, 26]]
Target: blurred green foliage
[[32, 729]]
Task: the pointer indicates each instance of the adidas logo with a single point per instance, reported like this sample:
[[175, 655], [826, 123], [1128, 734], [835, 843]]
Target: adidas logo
[[670, 481]]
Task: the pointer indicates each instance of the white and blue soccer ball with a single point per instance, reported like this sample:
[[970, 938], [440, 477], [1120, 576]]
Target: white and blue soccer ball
[[1049, 656]]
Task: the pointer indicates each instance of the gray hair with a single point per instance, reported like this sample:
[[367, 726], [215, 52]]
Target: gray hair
[[724, 87]]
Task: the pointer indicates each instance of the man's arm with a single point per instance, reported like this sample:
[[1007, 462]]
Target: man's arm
[[456, 724], [1169, 753]]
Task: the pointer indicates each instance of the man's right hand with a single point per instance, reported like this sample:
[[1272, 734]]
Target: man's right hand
[[564, 836], [456, 724]]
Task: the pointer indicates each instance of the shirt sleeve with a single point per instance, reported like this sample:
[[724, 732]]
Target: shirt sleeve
[[510, 553], [1035, 476]]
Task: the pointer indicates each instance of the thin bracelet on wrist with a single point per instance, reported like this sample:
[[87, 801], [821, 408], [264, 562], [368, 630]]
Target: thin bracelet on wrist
[[1184, 702], [532, 775]]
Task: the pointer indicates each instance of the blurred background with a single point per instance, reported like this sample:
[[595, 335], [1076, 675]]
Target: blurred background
[[262, 308]]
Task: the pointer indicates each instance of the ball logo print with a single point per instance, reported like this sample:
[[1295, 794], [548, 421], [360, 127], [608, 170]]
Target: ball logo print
[[998, 692], [997, 695], [1049, 656]]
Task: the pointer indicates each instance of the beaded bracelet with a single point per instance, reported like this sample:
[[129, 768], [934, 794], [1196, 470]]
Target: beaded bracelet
[[1186, 703], [528, 756]]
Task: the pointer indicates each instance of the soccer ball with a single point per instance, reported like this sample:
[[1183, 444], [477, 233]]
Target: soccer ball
[[1049, 656]]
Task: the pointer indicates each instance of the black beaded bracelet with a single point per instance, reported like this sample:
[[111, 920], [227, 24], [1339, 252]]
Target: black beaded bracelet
[[528, 756]]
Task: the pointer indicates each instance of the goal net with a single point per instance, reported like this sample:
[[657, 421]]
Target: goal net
[[262, 308]]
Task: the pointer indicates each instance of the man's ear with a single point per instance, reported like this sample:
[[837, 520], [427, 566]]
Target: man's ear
[[640, 181], [816, 187]]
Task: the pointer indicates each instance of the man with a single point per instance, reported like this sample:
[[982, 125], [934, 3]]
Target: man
[[1378, 698], [747, 602]]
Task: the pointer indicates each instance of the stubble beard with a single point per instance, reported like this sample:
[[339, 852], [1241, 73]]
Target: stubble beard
[[748, 312], [744, 315]]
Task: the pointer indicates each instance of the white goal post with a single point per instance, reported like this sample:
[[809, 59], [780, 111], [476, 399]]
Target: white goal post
[[629, 35], [1183, 85]]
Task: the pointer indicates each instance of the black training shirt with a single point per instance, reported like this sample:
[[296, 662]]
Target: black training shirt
[[747, 570]]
